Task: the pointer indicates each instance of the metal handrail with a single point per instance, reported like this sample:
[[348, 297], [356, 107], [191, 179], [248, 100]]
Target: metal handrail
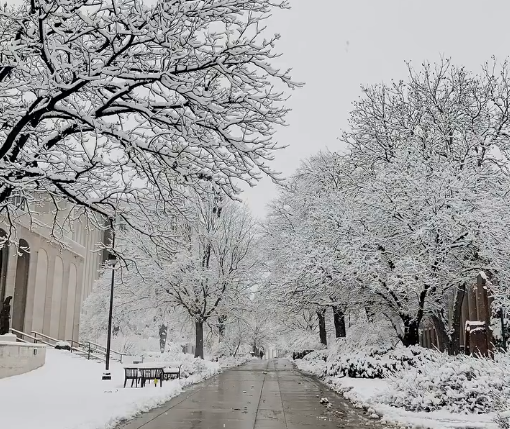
[[102, 349], [47, 337], [34, 339], [83, 349]]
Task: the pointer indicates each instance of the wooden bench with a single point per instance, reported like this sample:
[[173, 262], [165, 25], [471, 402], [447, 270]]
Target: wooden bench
[[151, 371], [131, 374], [173, 370], [151, 374]]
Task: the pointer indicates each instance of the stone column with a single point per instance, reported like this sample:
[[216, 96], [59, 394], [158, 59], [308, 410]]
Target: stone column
[[426, 331], [78, 301], [472, 305], [481, 299], [11, 271], [49, 289], [65, 293], [32, 277]]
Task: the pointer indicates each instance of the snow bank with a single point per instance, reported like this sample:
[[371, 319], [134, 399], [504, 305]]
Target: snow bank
[[68, 393]]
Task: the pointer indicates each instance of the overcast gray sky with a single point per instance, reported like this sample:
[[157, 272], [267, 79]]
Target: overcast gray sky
[[334, 46]]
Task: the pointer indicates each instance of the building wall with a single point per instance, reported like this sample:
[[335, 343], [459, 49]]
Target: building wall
[[50, 282]]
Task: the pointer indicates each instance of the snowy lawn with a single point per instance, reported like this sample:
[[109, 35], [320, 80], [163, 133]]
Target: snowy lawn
[[68, 393]]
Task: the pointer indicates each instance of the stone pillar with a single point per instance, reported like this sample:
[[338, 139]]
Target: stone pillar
[[427, 338], [49, 290], [78, 301], [63, 302], [71, 301], [473, 314], [41, 281], [481, 299], [11, 272], [464, 318], [32, 278], [56, 297], [435, 344]]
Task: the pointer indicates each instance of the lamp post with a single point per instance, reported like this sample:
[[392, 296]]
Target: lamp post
[[111, 258], [503, 337]]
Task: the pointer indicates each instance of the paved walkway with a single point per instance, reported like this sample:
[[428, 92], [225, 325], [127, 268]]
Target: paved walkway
[[259, 395]]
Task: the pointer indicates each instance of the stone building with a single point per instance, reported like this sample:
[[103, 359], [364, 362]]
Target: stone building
[[474, 310], [49, 281]]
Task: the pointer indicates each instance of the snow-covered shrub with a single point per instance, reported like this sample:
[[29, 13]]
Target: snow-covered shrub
[[460, 384], [373, 362], [317, 355], [379, 335], [314, 363], [62, 345], [193, 366]]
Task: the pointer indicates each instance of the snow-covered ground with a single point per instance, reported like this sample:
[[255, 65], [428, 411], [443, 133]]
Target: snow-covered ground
[[363, 392], [68, 393]]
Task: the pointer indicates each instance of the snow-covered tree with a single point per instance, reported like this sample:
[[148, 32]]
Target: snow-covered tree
[[206, 274], [301, 261], [413, 211], [112, 101]]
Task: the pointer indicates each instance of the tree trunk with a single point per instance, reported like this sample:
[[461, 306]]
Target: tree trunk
[[199, 339], [339, 320], [321, 315], [411, 336], [163, 332], [221, 326]]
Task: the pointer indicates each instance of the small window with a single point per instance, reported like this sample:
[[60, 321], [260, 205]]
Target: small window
[[120, 224], [20, 202]]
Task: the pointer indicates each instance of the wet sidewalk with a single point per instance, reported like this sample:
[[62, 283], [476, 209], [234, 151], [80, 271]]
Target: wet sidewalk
[[259, 395]]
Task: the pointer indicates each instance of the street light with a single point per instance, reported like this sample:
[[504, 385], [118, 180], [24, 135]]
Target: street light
[[503, 337], [111, 258]]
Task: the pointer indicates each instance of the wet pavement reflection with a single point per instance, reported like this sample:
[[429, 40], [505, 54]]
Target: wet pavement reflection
[[259, 395]]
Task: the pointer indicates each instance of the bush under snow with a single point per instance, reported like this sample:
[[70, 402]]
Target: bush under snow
[[375, 362], [420, 379], [460, 384]]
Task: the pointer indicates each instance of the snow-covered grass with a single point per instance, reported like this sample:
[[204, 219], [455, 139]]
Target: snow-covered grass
[[419, 388], [68, 393]]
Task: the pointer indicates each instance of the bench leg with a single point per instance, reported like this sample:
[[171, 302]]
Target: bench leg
[[132, 382], [125, 381]]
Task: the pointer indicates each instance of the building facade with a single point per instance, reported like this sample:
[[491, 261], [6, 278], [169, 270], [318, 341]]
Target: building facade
[[49, 273], [474, 310]]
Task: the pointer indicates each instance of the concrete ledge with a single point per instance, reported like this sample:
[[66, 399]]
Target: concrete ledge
[[11, 338], [18, 358]]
